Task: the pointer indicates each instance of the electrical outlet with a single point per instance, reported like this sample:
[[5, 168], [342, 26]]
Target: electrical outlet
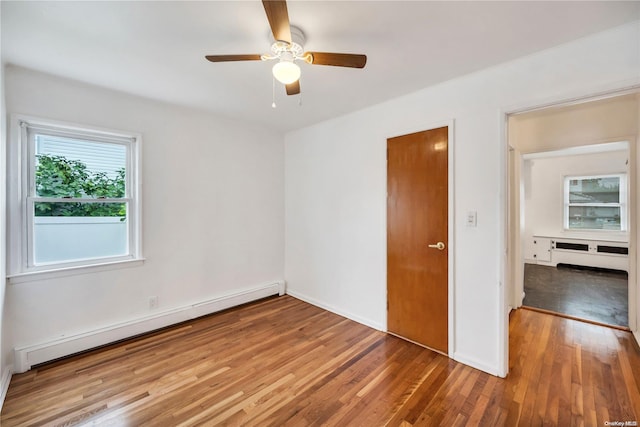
[[153, 302]]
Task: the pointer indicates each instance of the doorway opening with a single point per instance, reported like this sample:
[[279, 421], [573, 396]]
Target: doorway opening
[[571, 210]]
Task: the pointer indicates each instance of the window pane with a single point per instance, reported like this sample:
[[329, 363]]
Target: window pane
[[594, 190], [594, 217], [67, 167], [65, 232]]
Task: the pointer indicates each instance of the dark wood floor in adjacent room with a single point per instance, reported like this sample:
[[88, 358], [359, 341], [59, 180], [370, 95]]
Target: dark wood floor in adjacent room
[[284, 362], [594, 295]]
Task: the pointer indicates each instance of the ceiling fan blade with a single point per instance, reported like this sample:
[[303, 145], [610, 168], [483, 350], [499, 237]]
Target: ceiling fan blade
[[278, 17], [293, 88], [337, 59], [227, 58]]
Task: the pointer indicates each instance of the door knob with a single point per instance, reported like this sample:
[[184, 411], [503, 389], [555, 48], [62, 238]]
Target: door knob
[[439, 246]]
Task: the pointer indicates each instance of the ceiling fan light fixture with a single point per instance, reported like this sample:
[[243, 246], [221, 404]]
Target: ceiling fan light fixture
[[287, 47], [286, 72]]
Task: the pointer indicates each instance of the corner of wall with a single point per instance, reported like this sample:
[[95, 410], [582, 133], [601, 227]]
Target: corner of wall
[[334, 309]]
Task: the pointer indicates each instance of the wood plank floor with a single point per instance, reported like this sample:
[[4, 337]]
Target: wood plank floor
[[283, 362]]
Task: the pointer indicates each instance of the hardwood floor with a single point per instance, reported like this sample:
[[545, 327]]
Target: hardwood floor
[[283, 362]]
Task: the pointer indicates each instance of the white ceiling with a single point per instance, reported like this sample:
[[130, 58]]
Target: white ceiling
[[157, 49]]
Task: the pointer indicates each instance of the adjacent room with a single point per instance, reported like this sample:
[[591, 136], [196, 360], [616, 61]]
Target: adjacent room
[[576, 191], [305, 213]]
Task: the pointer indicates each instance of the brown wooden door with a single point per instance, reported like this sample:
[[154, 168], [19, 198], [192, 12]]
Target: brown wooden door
[[417, 214]]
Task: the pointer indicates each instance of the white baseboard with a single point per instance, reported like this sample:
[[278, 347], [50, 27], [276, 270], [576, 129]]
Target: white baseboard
[[27, 356], [5, 379], [476, 364], [348, 315]]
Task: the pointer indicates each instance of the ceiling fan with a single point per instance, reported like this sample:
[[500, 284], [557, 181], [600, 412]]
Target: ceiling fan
[[288, 48]]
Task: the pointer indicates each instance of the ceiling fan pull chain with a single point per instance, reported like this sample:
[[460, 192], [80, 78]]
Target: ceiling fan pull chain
[[273, 93]]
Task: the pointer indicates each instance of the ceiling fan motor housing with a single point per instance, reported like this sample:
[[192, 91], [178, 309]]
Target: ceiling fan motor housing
[[293, 50]]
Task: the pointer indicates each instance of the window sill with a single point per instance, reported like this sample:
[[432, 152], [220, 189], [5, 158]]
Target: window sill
[[33, 276]]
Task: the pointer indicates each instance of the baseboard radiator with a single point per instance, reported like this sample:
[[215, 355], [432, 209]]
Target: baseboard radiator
[[28, 356], [583, 252]]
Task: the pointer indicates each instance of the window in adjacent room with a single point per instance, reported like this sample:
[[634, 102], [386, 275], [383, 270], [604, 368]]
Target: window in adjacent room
[[80, 197], [595, 202]]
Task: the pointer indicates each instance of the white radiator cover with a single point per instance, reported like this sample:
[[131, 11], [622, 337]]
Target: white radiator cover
[[547, 250]]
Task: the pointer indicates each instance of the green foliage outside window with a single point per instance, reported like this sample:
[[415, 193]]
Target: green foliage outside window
[[59, 177]]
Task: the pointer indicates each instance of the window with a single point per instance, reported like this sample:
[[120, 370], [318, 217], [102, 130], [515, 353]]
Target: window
[[596, 202], [79, 197]]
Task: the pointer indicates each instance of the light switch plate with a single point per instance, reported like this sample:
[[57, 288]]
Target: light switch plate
[[472, 219]]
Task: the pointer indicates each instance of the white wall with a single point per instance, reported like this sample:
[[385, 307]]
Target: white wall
[[335, 185], [543, 180], [212, 211]]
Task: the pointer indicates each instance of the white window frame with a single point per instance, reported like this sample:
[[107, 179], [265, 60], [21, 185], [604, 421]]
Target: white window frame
[[624, 195], [21, 198]]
